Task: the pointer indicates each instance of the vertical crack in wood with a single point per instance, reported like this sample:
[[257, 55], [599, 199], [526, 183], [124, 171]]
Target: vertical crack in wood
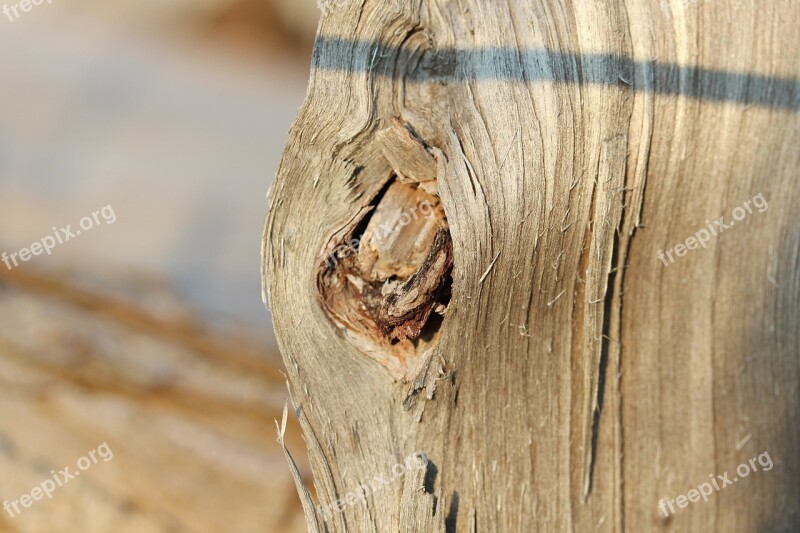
[[603, 363], [602, 256]]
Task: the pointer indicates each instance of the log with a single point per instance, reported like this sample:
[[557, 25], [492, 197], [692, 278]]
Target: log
[[557, 341]]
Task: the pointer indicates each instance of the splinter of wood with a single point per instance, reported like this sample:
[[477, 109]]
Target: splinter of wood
[[408, 155]]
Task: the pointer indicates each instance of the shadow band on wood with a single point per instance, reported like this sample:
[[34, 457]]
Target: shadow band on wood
[[446, 65]]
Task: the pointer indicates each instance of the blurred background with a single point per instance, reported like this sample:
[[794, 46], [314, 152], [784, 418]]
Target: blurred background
[[146, 331]]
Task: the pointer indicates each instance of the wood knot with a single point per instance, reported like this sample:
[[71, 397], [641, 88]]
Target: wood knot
[[385, 278]]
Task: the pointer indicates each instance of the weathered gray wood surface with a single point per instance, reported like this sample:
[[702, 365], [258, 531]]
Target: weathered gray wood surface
[[575, 380]]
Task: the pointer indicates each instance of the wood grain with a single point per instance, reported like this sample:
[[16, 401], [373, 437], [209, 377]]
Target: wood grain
[[576, 380]]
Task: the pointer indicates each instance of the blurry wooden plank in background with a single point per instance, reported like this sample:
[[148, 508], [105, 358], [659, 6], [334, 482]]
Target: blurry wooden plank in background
[[187, 412]]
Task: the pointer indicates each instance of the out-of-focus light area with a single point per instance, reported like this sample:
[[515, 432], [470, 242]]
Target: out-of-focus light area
[[175, 113], [147, 332]]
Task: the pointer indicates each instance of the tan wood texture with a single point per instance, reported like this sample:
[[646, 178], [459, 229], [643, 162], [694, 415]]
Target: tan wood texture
[[187, 414], [577, 378]]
